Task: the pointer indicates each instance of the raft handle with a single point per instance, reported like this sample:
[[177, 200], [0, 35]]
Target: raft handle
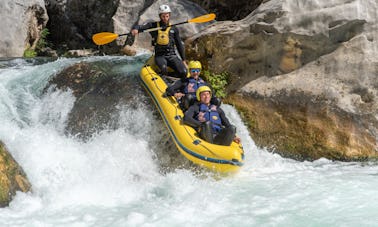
[[196, 142]]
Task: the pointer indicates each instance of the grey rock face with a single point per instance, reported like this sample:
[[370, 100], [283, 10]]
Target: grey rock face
[[22, 22], [74, 22], [229, 10], [322, 54]]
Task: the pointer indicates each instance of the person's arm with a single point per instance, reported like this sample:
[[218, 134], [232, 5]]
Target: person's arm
[[189, 117], [223, 117], [179, 45], [226, 123], [140, 28], [171, 90]]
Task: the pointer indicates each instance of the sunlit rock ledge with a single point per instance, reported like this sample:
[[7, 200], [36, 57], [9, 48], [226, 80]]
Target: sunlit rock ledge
[[303, 75], [12, 177]]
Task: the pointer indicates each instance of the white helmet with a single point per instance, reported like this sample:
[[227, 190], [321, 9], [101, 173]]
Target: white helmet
[[164, 9]]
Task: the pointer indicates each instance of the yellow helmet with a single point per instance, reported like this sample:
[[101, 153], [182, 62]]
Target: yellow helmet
[[202, 89], [195, 65]]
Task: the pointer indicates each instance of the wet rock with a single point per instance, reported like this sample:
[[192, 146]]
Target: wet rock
[[97, 92], [129, 50], [103, 98], [81, 53], [12, 177]]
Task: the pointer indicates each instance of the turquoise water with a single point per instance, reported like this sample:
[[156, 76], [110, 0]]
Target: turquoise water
[[114, 178]]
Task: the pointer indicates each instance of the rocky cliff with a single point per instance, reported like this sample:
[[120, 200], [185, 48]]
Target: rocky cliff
[[71, 24], [75, 22], [22, 23], [303, 75], [229, 10]]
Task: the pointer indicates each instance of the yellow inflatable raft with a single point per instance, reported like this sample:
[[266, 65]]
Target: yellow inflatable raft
[[223, 159]]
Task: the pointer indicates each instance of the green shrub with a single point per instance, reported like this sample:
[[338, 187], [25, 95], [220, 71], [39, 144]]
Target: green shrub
[[30, 53], [42, 43], [218, 82]]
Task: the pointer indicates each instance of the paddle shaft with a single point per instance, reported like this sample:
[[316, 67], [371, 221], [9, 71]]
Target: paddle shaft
[[157, 28]]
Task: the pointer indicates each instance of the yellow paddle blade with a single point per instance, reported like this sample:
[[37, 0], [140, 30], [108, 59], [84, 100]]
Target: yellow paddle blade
[[203, 19], [104, 38]]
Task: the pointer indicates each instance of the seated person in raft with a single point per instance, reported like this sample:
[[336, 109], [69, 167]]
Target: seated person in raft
[[184, 90], [209, 120]]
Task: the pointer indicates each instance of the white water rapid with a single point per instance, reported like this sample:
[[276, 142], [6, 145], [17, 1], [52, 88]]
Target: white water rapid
[[113, 179]]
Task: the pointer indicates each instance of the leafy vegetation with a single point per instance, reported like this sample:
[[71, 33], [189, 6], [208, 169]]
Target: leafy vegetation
[[218, 82], [42, 43], [30, 53]]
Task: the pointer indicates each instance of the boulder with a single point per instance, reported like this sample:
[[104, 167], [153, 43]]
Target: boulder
[[303, 75], [22, 23], [72, 23], [12, 177], [260, 43], [229, 10], [104, 97], [97, 92]]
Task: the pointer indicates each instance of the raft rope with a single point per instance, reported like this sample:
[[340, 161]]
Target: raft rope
[[176, 108]]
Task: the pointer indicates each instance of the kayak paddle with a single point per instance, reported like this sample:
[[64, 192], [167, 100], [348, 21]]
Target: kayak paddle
[[107, 37]]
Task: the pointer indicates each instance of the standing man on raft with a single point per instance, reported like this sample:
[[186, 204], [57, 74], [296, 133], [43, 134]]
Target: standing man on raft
[[165, 40]]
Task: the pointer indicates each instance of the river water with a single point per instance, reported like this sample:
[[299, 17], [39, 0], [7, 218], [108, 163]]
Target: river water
[[113, 179]]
